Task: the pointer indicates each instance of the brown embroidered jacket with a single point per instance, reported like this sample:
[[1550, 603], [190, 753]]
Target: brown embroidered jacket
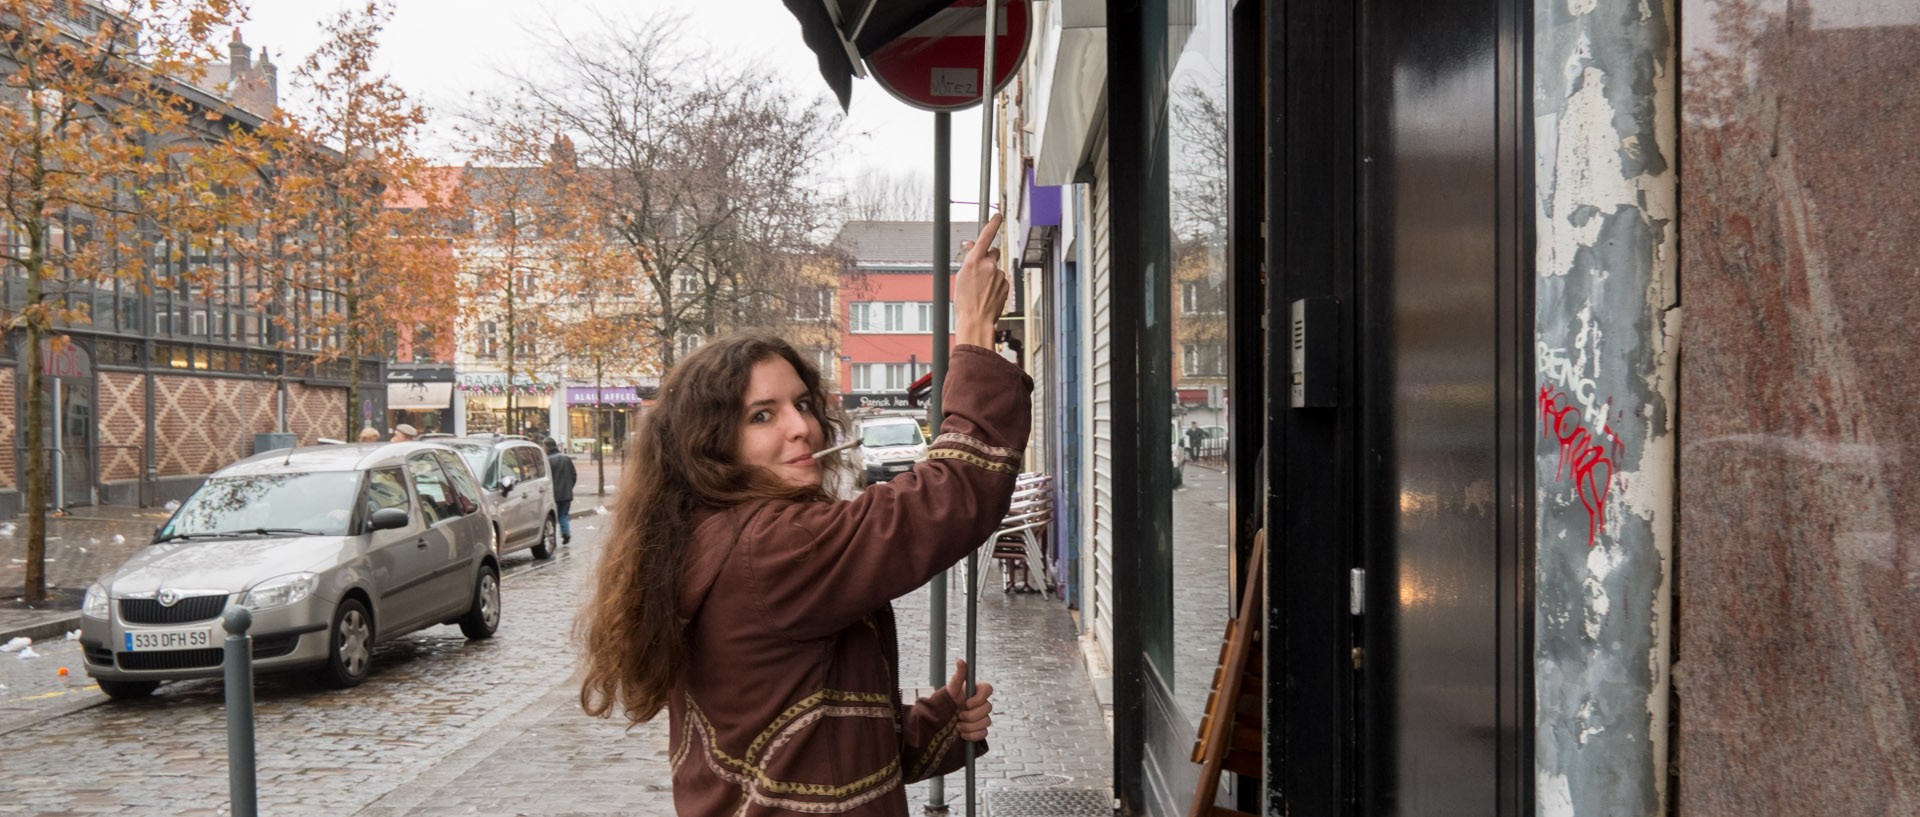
[[790, 702]]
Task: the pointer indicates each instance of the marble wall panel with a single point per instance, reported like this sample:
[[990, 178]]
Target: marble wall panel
[[1798, 657]]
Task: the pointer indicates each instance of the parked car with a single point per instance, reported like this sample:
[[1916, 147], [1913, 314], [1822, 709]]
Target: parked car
[[332, 548], [890, 445], [517, 488]]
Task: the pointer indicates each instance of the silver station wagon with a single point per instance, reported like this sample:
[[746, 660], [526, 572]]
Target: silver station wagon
[[332, 548]]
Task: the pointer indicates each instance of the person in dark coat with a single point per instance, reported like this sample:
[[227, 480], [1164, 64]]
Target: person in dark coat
[[564, 478]]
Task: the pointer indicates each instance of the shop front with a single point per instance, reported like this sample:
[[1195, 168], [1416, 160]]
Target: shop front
[[491, 405], [600, 418], [420, 396]]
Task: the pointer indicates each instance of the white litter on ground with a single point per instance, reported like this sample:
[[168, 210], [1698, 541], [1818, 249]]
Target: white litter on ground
[[15, 643], [6, 529], [73, 635], [602, 510], [172, 505], [119, 540], [27, 652]]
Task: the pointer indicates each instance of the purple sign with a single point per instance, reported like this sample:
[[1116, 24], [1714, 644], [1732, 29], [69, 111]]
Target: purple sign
[[617, 395]]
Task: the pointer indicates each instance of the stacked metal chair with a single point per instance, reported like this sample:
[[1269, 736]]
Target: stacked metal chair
[[1018, 545]]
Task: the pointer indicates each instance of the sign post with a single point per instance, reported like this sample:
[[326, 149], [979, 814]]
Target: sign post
[[940, 66]]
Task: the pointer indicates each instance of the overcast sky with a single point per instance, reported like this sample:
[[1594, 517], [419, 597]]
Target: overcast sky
[[443, 50]]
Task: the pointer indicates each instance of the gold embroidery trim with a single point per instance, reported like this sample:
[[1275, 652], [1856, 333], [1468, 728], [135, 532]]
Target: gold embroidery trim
[[936, 748], [704, 728], [989, 450], [809, 702], [953, 454]]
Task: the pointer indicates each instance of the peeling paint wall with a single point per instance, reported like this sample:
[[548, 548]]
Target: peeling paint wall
[[1606, 331]]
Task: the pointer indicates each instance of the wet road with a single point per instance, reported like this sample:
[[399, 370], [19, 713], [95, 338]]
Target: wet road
[[321, 751]]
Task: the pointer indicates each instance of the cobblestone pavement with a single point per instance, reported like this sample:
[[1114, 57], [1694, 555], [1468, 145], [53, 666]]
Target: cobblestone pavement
[[446, 727], [320, 751], [1202, 601], [553, 760]]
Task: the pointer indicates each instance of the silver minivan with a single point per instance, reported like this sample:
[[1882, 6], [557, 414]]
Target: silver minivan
[[332, 548], [517, 488]]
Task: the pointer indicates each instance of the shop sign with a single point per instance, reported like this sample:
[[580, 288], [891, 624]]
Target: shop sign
[[881, 400], [61, 357], [609, 395], [496, 383]]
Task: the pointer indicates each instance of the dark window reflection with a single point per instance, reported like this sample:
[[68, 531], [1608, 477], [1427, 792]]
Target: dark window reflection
[[321, 503]]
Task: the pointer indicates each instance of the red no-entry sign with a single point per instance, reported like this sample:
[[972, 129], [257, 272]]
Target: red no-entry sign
[[935, 66]]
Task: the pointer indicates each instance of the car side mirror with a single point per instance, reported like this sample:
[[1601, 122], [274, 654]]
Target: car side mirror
[[388, 519], [506, 485]]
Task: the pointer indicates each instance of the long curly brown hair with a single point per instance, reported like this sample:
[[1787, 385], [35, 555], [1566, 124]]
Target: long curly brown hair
[[680, 463]]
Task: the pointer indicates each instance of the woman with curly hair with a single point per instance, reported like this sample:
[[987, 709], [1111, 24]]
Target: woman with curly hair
[[738, 595]]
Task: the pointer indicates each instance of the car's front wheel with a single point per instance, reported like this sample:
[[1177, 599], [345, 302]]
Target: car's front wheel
[[128, 690], [548, 545], [483, 618], [350, 651]]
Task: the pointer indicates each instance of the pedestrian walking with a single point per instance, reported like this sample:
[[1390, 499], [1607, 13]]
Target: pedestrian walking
[[369, 434], [755, 608], [564, 478], [1194, 438], [404, 432]]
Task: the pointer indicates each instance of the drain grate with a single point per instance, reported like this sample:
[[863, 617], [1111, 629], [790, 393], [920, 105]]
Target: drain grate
[[1049, 803], [1036, 780]]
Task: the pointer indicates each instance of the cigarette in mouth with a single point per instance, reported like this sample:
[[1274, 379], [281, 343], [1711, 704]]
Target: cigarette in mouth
[[836, 449]]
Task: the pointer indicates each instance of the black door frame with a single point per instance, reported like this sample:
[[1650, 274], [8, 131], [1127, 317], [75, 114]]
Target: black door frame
[[1327, 514]]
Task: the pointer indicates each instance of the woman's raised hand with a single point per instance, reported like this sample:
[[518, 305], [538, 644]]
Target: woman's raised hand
[[979, 290]]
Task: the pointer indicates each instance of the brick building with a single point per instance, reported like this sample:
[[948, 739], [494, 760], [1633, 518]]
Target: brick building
[[886, 296], [159, 385]]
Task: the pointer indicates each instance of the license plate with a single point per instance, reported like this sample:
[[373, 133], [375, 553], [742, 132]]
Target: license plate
[[155, 640], [899, 467]]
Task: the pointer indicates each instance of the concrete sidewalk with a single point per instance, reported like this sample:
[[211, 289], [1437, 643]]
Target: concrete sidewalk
[[89, 541]]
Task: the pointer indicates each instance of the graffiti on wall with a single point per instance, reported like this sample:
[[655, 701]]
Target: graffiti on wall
[[1573, 415], [1586, 457]]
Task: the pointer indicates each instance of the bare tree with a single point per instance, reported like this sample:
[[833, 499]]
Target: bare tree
[[711, 173], [882, 196]]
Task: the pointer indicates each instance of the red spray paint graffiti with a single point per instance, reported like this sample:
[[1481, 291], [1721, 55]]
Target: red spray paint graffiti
[[1584, 456]]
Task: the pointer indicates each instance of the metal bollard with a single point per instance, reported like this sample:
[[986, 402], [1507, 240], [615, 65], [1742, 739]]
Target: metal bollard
[[239, 668]]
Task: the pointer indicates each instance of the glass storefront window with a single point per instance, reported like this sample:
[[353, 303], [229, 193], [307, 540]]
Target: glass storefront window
[[1191, 295]]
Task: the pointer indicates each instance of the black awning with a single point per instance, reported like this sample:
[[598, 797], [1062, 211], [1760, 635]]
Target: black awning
[[864, 26]]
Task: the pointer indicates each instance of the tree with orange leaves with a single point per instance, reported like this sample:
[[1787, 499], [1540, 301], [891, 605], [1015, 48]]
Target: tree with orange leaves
[[328, 236], [104, 145]]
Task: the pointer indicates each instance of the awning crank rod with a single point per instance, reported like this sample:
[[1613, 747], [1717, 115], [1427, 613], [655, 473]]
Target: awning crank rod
[[986, 212]]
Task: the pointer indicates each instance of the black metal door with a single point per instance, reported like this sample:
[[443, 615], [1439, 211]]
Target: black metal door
[[1400, 587]]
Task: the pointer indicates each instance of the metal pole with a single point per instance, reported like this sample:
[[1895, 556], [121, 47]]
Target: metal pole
[[942, 335], [986, 211], [239, 669], [59, 464]]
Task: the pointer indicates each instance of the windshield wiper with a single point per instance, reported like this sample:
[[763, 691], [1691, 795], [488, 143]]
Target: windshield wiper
[[271, 532]]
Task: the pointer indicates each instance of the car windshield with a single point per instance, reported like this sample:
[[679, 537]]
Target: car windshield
[[319, 503], [890, 434], [475, 455]]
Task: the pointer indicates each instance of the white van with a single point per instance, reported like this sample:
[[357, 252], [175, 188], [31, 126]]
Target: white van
[[890, 445]]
